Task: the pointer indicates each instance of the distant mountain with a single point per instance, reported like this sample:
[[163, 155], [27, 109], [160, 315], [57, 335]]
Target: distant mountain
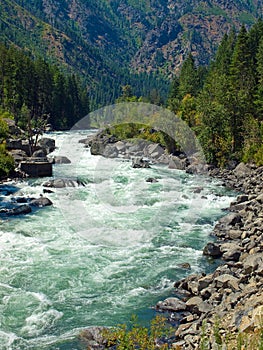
[[108, 41]]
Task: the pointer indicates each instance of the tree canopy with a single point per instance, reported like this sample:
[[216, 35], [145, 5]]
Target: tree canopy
[[225, 106]]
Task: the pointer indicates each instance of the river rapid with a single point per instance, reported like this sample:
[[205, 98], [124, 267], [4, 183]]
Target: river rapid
[[105, 250]]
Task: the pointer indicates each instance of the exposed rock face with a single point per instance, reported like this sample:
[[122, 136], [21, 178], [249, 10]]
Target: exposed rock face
[[110, 147]]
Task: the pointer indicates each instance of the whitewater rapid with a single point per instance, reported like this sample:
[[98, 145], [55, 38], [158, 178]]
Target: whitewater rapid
[[105, 250]]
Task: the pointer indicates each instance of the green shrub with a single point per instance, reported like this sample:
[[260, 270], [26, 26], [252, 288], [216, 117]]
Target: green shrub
[[6, 162], [131, 337]]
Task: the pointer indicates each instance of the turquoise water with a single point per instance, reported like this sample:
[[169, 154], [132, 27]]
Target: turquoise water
[[102, 252]]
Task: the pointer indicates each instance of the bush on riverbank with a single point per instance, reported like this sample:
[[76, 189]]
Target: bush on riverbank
[[128, 131], [6, 160], [124, 337]]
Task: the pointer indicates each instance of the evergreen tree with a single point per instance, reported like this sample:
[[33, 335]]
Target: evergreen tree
[[242, 89], [259, 92], [32, 90], [189, 80]]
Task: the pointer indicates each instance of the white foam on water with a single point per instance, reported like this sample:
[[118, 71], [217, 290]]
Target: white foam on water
[[39, 322], [101, 251]]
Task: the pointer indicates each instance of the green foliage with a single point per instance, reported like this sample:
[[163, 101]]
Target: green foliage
[[32, 89], [219, 337], [134, 336], [204, 344], [6, 162], [226, 111], [141, 131], [3, 124]]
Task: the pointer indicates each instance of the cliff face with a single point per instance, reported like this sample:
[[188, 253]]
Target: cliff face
[[195, 26]]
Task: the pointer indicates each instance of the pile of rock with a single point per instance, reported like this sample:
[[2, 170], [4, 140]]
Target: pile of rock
[[37, 164], [28, 164], [110, 147], [234, 292], [23, 205]]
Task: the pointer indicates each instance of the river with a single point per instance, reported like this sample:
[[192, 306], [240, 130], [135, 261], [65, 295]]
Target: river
[[103, 251]]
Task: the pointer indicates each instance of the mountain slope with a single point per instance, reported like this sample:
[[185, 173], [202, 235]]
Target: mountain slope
[[104, 41]]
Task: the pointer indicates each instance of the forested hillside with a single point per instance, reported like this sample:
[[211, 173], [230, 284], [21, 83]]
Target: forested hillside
[[110, 43], [34, 89], [225, 104]]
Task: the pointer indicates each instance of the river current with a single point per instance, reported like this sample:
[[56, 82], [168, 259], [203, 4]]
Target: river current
[[107, 249]]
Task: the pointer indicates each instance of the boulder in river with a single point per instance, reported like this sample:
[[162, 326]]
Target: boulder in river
[[171, 304], [140, 162], [94, 338], [61, 160], [61, 183], [20, 210], [213, 250], [40, 202]]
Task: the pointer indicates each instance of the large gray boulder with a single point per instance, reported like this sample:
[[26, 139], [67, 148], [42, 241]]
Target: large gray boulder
[[40, 202], [61, 160], [227, 281], [171, 304], [176, 163], [231, 251], [213, 250], [230, 219], [252, 263], [94, 338], [47, 144], [197, 305], [110, 151], [154, 151], [41, 153], [242, 170], [20, 210]]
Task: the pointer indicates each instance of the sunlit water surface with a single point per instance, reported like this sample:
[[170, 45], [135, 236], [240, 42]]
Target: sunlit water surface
[[103, 251]]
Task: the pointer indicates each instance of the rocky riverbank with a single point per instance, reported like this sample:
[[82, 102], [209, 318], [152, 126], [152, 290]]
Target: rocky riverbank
[[229, 300]]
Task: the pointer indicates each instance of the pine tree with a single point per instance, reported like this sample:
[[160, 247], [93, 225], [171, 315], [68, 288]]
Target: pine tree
[[242, 89], [259, 92], [189, 80]]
